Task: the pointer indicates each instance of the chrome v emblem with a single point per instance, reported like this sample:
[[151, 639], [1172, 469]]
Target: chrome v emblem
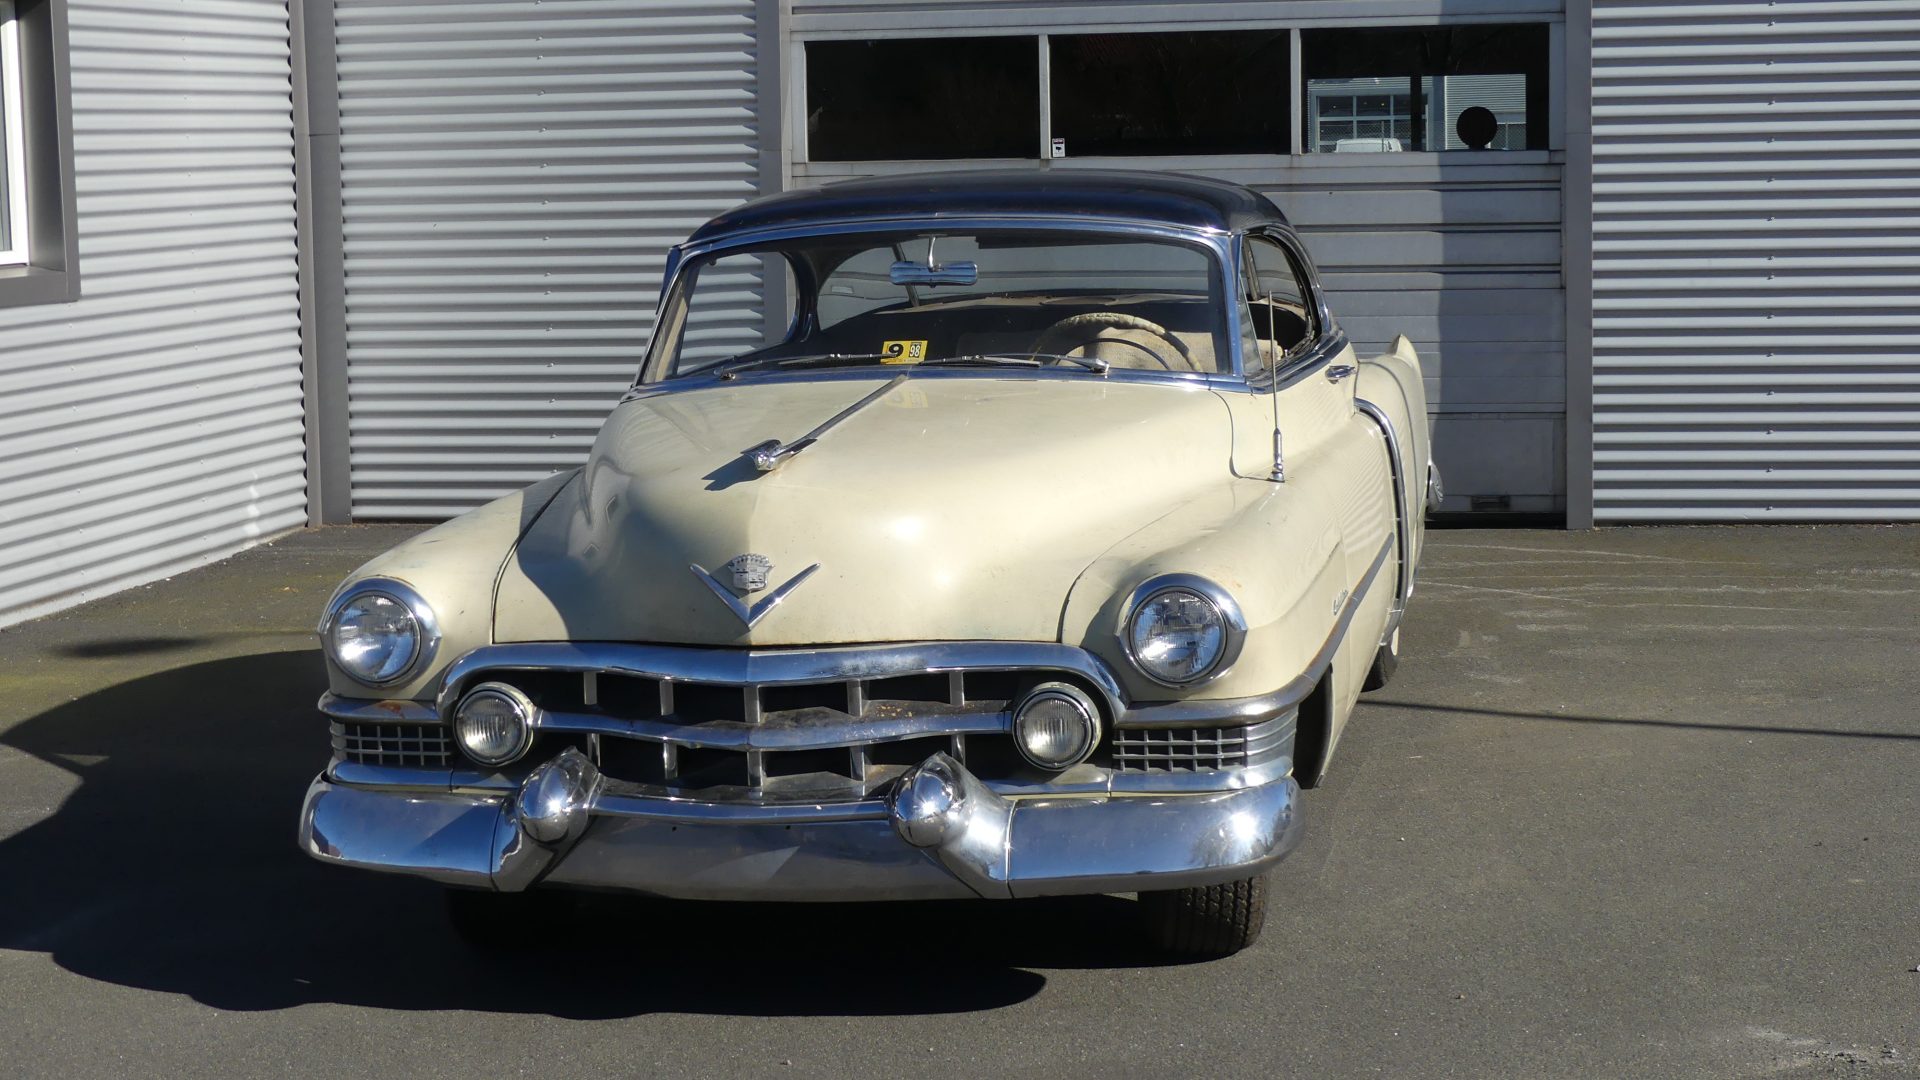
[[750, 613]]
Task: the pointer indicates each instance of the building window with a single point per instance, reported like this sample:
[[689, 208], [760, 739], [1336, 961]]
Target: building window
[[13, 151], [1217, 92], [39, 247], [927, 98], [1479, 87]]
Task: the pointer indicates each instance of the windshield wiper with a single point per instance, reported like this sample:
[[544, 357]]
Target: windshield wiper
[[728, 371], [1033, 360]]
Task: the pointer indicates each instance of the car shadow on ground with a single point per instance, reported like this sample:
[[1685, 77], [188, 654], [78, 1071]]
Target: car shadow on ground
[[172, 867]]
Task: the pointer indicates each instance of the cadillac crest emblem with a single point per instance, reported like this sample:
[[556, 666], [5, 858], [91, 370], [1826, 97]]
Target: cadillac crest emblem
[[749, 572]]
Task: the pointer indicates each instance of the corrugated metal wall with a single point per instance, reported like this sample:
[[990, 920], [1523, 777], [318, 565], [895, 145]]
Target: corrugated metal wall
[[1462, 255], [156, 423], [1756, 261], [513, 173]]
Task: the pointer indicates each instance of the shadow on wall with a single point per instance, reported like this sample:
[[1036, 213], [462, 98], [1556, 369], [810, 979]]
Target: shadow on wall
[[172, 867]]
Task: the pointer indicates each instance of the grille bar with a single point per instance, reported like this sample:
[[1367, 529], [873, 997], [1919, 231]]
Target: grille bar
[[1194, 749], [424, 745]]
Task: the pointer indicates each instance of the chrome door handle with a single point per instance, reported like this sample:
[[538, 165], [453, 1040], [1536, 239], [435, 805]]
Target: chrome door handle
[[1339, 371]]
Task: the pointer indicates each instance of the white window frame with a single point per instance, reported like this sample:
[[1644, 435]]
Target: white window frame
[[11, 91]]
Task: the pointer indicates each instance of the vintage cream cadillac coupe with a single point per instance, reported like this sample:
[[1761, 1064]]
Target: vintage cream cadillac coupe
[[982, 535]]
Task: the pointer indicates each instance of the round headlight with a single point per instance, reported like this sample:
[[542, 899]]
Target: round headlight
[[1182, 630], [494, 723], [1056, 726], [374, 637]]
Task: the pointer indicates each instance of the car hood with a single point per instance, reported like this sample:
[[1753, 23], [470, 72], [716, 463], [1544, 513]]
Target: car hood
[[950, 507]]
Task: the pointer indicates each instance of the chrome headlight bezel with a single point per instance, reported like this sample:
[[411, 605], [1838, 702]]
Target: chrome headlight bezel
[[1233, 626], [1087, 719], [426, 626], [526, 714]]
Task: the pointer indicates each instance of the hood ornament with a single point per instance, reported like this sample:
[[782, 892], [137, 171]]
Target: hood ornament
[[748, 574]]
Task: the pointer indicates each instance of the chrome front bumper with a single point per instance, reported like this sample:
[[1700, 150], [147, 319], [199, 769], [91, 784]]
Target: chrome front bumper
[[938, 834]]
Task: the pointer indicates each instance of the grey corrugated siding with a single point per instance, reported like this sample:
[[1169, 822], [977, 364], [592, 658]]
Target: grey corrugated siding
[[155, 424], [1756, 261], [513, 173]]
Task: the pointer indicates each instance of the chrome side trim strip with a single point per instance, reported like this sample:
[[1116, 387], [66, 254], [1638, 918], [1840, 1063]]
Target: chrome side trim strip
[[1403, 526]]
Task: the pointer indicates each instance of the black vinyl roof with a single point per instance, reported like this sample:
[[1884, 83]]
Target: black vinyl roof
[[1169, 198]]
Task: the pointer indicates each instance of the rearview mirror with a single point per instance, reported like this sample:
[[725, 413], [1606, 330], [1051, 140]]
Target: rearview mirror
[[913, 273]]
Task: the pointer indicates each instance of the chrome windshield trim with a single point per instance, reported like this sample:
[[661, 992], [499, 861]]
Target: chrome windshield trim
[[1208, 236], [1171, 379], [1220, 244]]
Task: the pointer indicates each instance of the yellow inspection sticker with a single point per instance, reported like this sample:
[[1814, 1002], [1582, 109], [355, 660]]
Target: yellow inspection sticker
[[903, 352]]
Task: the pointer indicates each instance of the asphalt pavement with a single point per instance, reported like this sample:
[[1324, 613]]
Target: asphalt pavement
[[1639, 802]]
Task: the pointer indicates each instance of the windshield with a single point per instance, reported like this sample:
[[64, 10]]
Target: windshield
[[1082, 302]]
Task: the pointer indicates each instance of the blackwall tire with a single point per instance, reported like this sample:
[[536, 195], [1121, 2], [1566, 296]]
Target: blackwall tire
[[1384, 663], [1208, 921]]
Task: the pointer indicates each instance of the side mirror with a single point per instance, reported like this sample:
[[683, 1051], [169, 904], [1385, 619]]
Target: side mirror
[[913, 273]]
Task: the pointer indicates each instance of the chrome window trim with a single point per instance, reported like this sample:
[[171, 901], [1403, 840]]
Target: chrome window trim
[[1331, 339], [1234, 620], [1219, 243], [415, 604]]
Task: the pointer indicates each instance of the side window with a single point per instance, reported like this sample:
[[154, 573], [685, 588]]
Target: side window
[[1281, 309]]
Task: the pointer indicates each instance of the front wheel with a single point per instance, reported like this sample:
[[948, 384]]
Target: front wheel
[[1208, 920], [1384, 662]]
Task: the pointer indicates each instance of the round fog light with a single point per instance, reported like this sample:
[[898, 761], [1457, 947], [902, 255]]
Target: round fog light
[[494, 723], [1056, 726]]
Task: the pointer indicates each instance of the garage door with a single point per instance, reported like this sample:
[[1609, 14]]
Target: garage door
[[513, 173], [1756, 261]]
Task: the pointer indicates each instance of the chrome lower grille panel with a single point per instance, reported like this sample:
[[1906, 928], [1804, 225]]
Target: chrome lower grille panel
[[1196, 748], [423, 745]]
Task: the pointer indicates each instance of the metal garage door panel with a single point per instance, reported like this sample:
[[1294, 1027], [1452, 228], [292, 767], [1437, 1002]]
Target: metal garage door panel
[[155, 424], [1756, 261], [511, 179]]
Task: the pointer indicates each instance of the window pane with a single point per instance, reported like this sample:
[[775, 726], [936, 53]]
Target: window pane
[[1222, 92], [925, 98], [1280, 317], [1494, 76], [1148, 305], [723, 316]]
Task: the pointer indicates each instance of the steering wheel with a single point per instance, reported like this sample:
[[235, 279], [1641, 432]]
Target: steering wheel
[[1078, 331]]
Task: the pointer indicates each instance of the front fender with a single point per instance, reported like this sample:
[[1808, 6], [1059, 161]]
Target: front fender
[[1266, 544], [453, 566]]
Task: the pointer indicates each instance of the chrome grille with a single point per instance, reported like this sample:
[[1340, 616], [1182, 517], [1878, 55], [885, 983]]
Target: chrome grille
[[1197, 748], [832, 737], [426, 745]]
